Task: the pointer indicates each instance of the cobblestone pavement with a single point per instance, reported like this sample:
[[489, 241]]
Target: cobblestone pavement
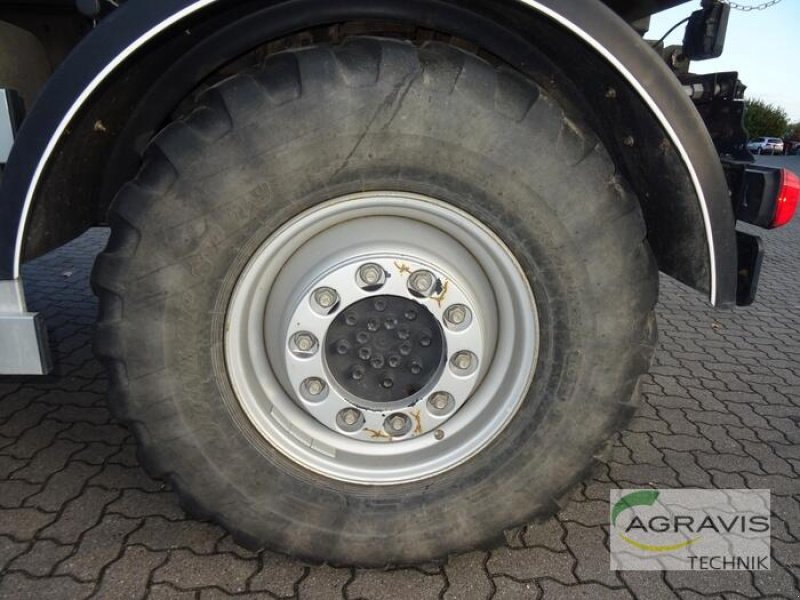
[[79, 517]]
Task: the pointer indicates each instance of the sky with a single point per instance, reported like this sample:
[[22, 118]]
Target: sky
[[763, 46]]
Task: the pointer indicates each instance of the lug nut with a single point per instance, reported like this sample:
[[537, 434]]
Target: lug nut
[[314, 386], [314, 389], [457, 316], [441, 403], [325, 298], [464, 362], [303, 344], [371, 275], [358, 373], [421, 282], [397, 424], [350, 419]]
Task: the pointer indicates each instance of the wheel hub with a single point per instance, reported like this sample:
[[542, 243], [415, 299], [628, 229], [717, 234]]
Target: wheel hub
[[384, 349]]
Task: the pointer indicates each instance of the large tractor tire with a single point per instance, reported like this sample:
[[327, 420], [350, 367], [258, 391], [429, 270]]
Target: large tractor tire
[[356, 312]]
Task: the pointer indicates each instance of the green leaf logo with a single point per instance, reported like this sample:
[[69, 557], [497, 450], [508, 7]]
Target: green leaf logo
[[645, 498]]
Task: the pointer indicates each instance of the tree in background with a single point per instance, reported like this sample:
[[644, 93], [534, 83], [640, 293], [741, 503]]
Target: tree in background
[[762, 119], [793, 132]]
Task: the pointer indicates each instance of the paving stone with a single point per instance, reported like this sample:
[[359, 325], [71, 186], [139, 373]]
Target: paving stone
[[118, 477], [687, 470], [21, 423], [647, 585], [14, 491], [591, 512], [527, 563], [80, 514], [48, 461], [136, 503], [549, 533], [325, 583], [24, 523], [508, 589], [589, 545], [158, 533], [277, 574], [164, 591], [62, 487], [399, 583], [467, 577], [713, 582], [18, 585], [583, 591], [681, 443], [41, 558], [187, 570], [98, 547], [9, 464], [226, 543], [128, 577], [95, 453], [9, 550], [728, 463]]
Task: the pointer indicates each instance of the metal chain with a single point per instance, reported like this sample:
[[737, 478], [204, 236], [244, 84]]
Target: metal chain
[[751, 7]]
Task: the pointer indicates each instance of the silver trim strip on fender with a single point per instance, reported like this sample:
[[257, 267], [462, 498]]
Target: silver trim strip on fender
[[533, 3], [6, 126]]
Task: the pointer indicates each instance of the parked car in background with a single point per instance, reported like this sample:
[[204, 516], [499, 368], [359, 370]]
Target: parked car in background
[[766, 145]]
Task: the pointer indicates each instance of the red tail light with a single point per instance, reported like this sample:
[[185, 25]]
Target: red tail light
[[787, 198]]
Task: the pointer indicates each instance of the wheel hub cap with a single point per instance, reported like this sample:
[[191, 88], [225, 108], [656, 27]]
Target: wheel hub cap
[[384, 349]]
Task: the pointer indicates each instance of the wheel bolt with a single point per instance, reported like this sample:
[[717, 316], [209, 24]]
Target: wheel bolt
[[457, 316], [325, 298], [314, 389], [371, 275], [421, 282], [397, 424], [440, 403], [350, 419], [464, 362], [303, 344]]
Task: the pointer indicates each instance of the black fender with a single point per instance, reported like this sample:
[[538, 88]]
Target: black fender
[[123, 81]]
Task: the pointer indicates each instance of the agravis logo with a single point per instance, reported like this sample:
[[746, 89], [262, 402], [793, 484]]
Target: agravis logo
[[690, 529]]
